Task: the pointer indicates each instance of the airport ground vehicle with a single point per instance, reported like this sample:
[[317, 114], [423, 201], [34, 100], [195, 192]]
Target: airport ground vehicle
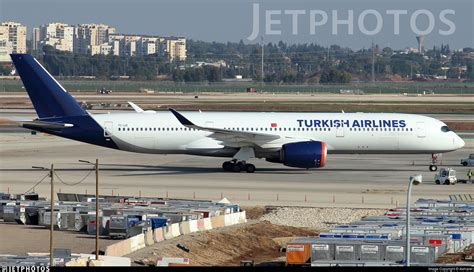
[[469, 161], [446, 176]]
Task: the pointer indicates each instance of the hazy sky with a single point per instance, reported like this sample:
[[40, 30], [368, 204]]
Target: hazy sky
[[232, 20]]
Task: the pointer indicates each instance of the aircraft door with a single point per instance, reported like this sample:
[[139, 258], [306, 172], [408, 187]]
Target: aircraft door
[[340, 131], [108, 128], [209, 124], [420, 129]]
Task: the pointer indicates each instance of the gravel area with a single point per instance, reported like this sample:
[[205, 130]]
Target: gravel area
[[317, 218]]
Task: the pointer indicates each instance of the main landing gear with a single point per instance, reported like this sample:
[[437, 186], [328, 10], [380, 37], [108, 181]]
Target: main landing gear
[[238, 166], [434, 160]]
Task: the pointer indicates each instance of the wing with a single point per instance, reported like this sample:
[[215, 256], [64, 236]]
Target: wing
[[135, 107], [232, 137]]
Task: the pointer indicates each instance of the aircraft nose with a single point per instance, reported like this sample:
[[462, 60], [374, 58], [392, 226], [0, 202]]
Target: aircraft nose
[[458, 142]]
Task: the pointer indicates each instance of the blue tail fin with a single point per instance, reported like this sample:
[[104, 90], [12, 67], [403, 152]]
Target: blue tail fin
[[49, 98]]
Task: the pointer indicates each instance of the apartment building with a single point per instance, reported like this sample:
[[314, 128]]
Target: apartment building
[[17, 36], [58, 35], [89, 35], [12, 40], [5, 45], [176, 48]]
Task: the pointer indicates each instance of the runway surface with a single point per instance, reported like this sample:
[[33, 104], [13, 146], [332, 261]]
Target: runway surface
[[348, 180], [30, 113]]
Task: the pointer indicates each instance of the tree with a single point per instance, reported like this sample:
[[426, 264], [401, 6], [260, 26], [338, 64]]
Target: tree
[[335, 76]]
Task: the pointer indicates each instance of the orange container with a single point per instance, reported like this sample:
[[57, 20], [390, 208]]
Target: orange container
[[298, 251]]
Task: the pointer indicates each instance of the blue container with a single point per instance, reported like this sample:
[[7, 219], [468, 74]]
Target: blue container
[[456, 236], [158, 222]]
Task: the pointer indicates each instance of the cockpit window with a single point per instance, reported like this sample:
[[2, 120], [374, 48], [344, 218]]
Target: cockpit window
[[445, 129]]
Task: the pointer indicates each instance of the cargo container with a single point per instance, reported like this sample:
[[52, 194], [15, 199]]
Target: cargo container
[[124, 226], [20, 214], [103, 226], [395, 251], [298, 251], [322, 250], [372, 251], [424, 254], [9, 212]]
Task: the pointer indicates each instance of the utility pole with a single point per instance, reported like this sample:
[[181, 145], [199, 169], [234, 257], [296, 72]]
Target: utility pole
[[97, 225], [373, 62], [51, 227], [263, 46], [97, 209]]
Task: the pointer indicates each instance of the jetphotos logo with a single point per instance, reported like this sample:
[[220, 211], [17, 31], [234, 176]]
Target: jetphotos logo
[[368, 22]]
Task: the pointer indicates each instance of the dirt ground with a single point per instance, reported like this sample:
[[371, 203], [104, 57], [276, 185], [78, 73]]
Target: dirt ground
[[254, 212], [19, 239], [257, 240]]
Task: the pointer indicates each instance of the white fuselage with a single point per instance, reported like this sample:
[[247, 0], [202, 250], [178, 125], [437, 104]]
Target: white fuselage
[[162, 133]]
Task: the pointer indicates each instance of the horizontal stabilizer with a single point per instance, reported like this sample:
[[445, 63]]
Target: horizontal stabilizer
[[43, 124]]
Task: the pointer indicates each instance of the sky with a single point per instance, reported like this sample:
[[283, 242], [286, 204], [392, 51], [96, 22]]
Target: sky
[[234, 20]]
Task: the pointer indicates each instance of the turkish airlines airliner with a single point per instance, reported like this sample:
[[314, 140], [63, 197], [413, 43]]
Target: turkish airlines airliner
[[301, 140]]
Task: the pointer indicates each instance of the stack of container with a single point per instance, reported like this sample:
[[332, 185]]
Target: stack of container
[[437, 227]]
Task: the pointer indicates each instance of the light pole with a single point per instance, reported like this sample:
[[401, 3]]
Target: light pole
[[414, 180], [96, 166], [51, 223]]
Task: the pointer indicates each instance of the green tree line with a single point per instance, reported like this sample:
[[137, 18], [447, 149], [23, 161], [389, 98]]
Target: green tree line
[[283, 63]]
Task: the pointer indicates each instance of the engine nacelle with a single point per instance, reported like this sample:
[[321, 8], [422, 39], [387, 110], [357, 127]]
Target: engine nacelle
[[311, 154]]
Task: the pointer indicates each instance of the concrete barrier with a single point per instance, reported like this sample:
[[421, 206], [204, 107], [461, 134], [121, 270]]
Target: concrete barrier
[[184, 227], [207, 223], [119, 249], [243, 217], [167, 233], [175, 230], [149, 238], [158, 235], [193, 226], [200, 224], [235, 218], [217, 221], [137, 242], [228, 220]]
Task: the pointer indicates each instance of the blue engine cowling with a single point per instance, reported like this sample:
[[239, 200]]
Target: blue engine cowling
[[311, 154]]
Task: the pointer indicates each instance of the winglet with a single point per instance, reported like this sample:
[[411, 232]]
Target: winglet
[[181, 118], [135, 107]]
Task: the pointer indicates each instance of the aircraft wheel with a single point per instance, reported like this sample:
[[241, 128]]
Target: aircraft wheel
[[236, 168], [227, 166], [250, 168], [433, 168]]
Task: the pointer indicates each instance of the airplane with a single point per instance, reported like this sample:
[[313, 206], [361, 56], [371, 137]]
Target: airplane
[[294, 139]]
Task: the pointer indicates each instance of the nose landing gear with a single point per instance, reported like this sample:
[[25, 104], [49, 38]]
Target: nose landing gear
[[434, 160]]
